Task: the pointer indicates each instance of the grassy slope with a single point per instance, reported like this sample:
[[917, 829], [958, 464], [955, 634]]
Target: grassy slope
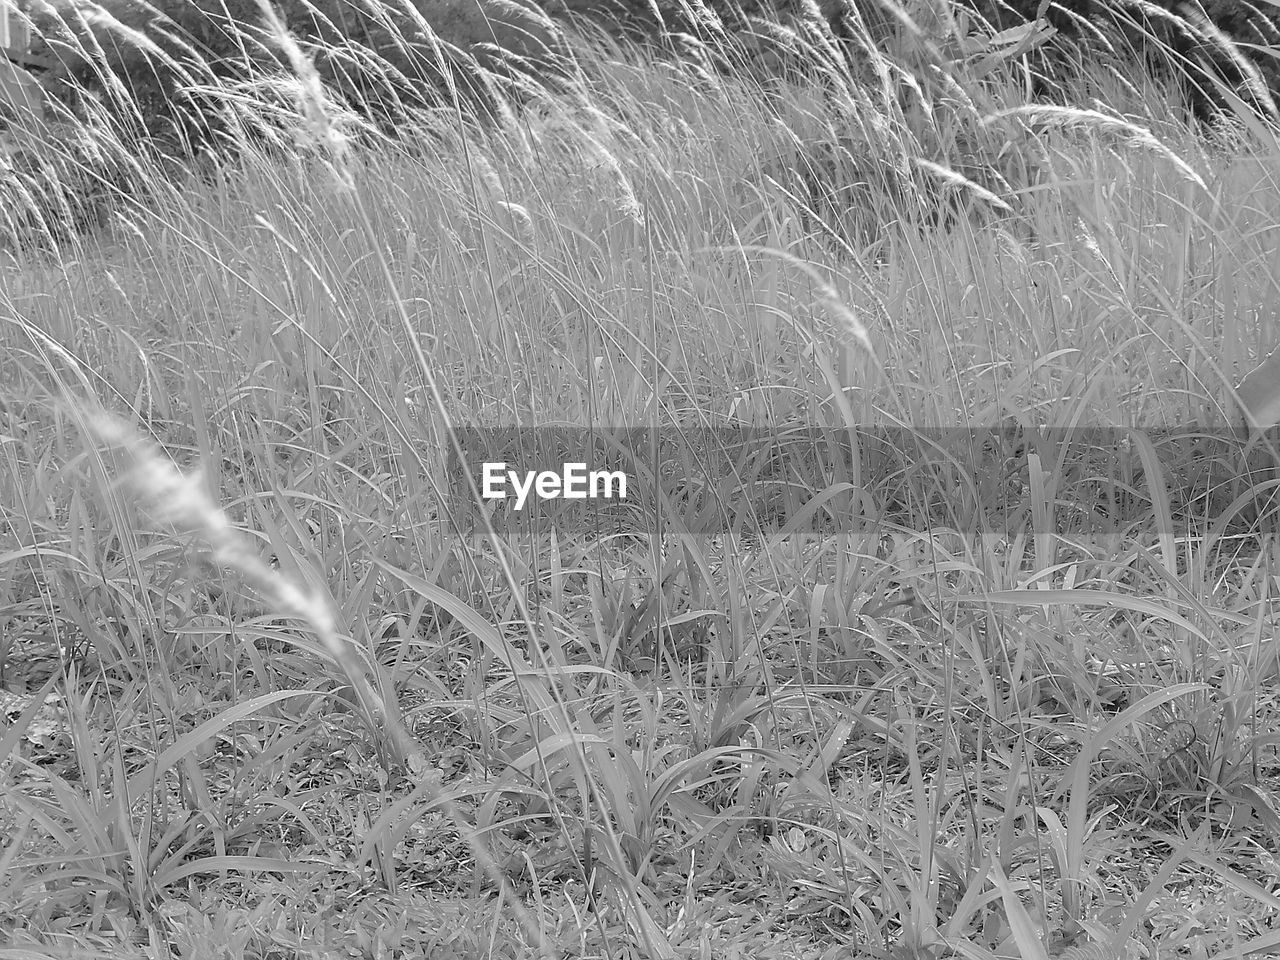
[[819, 762]]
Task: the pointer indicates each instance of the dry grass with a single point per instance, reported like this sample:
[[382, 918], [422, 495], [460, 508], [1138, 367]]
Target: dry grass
[[1016, 705]]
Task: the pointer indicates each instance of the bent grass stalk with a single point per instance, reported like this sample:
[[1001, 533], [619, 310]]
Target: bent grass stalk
[[181, 500], [316, 113]]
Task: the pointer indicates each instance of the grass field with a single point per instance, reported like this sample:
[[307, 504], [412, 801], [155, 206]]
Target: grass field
[[951, 635]]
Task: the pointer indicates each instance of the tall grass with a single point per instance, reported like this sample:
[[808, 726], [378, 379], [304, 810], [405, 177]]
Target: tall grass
[[1017, 707]]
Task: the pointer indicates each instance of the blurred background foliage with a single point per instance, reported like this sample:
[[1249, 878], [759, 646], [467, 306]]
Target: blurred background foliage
[[154, 59]]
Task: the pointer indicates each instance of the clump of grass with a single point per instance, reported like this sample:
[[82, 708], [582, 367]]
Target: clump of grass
[[182, 501]]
